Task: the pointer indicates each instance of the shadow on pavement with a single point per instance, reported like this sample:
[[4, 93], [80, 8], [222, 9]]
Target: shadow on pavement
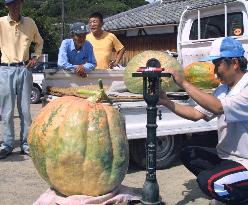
[[14, 157], [133, 167], [192, 192]]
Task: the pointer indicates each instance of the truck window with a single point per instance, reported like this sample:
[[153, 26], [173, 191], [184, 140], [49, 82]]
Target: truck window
[[214, 26]]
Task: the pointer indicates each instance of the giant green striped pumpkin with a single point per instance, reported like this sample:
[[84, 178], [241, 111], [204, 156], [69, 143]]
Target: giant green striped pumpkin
[[201, 74], [79, 147], [135, 85]]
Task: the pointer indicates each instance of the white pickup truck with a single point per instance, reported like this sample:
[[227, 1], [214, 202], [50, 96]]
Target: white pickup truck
[[198, 28], [38, 77]]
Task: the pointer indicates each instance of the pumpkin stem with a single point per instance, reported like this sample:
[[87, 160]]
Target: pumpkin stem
[[87, 92], [100, 84], [96, 96]]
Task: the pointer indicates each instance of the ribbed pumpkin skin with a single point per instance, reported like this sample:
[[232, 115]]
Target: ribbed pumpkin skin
[[79, 147], [201, 74], [135, 85]]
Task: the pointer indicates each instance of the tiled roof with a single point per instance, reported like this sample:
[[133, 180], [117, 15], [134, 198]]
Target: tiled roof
[[167, 12]]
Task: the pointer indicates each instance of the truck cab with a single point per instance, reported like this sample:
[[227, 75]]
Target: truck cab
[[200, 26]]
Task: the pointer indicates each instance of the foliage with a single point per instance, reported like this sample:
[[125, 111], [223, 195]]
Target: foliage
[[81, 9], [3, 10], [49, 32]]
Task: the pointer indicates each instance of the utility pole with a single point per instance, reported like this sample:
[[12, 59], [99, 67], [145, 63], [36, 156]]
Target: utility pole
[[63, 19]]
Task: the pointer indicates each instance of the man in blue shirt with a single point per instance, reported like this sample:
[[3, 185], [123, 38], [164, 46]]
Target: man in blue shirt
[[76, 54]]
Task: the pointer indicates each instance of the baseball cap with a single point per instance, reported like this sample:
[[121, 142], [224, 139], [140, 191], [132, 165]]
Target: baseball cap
[[78, 28], [8, 1], [225, 48]]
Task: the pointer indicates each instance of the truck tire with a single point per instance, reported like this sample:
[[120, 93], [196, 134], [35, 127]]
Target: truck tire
[[168, 148], [35, 95]]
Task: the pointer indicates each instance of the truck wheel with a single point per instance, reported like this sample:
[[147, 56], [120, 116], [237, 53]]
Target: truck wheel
[[168, 148], [35, 95]]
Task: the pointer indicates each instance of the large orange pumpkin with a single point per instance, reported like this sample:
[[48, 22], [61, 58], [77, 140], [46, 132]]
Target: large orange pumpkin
[[79, 147], [135, 85], [201, 74]]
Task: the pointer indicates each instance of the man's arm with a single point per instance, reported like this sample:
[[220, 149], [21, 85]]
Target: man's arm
[[62, 57], [184, 111], [120, 50], [37, 39], [207, 101], [91, 61], [38, 42], [119, 55]]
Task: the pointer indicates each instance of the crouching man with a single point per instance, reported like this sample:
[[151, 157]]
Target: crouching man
[[222, 172]]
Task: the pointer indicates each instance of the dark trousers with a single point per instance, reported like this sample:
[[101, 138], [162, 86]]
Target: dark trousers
[[223, 180]]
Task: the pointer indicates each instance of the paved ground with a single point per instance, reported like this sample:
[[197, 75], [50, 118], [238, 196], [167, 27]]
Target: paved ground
[[20, 184]]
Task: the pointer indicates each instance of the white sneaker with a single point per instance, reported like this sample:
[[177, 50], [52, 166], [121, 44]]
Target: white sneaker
[[215, 202]]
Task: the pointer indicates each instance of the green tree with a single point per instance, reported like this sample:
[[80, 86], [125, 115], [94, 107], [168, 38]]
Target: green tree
[[47, 28], [3, 10]]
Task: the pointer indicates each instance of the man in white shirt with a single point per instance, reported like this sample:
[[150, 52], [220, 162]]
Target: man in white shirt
[[222, 173]]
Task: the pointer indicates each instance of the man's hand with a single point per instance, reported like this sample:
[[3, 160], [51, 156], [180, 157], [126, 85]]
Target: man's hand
[[80, 71], [112, 64], [178, 78], [31, 62], [163, 99]]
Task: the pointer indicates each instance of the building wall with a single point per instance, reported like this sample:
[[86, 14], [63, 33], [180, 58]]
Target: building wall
[[155, 30], [138, 44]]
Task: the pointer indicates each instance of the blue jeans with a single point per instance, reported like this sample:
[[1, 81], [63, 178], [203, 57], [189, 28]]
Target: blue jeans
[[15, 83]]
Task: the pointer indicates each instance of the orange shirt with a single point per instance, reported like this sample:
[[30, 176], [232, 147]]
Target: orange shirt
[[103, 48]]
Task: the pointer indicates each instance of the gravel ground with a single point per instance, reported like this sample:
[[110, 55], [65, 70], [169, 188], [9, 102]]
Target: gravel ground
[[21, 184]]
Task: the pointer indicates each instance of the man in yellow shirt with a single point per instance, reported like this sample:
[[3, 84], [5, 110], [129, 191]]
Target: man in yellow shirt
[[16, 34], [103, 43]]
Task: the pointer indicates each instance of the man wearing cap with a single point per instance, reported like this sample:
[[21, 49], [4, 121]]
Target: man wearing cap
[[222, 172], [76, 54], [16, 34]]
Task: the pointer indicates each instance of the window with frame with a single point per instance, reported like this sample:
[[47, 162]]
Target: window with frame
[[214, 26]]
